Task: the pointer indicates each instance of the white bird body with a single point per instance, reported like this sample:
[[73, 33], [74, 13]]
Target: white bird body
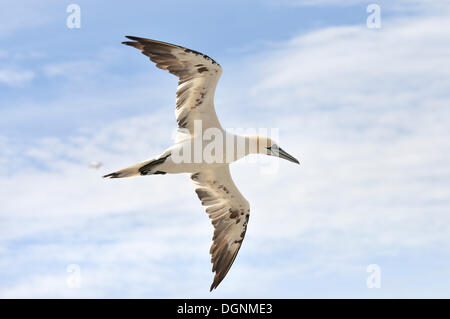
[[204, 149], [181, 157], [225, 153]]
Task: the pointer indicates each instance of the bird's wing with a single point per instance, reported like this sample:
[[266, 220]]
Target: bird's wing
[[229, 212], [198, 75]]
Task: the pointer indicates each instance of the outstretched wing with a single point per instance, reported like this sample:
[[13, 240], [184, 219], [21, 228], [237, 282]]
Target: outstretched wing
[[229, 212], [198, 75]]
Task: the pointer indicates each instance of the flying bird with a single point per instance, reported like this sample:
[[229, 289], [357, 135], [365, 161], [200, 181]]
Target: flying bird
[[228, 210], [95, 164]]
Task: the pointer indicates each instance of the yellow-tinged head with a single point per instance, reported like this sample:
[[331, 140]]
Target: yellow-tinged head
[[264, 145]]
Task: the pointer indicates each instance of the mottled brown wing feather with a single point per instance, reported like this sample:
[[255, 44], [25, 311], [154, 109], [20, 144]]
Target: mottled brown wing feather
[[198, 75], [229, 212]]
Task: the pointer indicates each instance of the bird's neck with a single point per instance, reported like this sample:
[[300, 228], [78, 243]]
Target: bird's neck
[[237, 146], [252, 144]]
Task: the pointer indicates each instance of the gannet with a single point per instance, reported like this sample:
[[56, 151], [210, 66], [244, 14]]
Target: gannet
[[228, 210]]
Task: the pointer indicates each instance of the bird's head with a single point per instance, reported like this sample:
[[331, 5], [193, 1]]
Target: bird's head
[[265, 145]]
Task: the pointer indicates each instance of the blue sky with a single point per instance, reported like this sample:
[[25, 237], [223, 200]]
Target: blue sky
[[365, 110]]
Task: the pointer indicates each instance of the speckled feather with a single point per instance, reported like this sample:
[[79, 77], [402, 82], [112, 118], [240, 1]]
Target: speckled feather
[[229, 212], [197, 74]]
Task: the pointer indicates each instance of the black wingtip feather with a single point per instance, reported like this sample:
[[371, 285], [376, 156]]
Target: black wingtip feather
[[111, 175], [134, 38], [132, 44], [216, 283]]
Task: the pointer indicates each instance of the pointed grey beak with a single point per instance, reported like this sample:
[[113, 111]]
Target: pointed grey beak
[[286, 156]]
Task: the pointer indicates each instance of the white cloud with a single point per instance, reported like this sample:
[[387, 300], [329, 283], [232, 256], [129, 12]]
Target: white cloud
[[16, 15], [78, 69], [12, 77], [373, 131], [401, 5]]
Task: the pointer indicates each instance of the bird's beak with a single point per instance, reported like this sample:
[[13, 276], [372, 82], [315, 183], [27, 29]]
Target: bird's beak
[[286, 156]]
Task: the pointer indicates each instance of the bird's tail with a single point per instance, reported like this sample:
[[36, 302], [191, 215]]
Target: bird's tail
[[126, 172], [144, 168]]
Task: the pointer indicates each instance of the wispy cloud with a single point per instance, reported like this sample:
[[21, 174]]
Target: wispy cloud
[[403, 5], [14, 77], [74, 70], [17, 15]]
